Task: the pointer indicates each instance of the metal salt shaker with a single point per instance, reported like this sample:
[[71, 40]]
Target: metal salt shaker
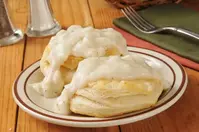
[[41, 21]]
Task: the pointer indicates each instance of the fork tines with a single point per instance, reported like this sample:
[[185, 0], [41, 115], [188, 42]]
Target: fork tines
[[138, 21]]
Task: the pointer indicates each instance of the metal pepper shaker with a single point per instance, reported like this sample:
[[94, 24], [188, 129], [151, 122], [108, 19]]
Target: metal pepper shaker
[[8, 33]]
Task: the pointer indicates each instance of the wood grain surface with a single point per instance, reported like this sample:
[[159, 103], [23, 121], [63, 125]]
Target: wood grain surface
[[182, 117], [11, 58]]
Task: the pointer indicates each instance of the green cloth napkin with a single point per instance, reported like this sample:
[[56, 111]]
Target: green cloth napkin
[[168, 15]]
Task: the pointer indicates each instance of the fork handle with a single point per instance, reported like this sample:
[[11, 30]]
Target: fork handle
[[188, 33]]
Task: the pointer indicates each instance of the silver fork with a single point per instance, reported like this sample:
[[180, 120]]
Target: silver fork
[[144, 26]]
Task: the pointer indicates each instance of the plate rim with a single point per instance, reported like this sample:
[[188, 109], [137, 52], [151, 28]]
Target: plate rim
[[40, 115]]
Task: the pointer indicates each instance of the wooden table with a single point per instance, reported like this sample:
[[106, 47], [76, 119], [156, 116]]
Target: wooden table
[[182, 117]]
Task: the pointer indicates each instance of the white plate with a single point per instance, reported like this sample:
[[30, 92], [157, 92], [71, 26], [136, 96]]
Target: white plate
[[39, 107]]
